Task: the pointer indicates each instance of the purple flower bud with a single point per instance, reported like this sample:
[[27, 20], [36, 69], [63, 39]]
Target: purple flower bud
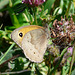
[[33, 2], [70, 50]]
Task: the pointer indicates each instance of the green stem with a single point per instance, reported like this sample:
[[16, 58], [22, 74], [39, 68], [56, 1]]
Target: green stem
[[35, 13], [72, 59], [63, 52], [7, 52], [68, 8], [49, 68], [10, 3], [33, 69]]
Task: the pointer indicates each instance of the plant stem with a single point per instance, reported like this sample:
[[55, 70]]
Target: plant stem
[[7, 52], [33, 69], [63, 52], [16, 72], [49, 68], [35, 13], [72, 59], [68, 8]]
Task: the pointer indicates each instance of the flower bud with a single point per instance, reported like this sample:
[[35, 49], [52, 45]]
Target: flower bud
[[70, 50], [33, 2]]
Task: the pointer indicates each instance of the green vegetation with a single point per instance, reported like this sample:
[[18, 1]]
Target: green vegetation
[[59, 16]]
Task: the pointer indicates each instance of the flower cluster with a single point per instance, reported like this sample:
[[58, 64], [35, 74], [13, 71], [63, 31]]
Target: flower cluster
[[33, 2], [63, 32]]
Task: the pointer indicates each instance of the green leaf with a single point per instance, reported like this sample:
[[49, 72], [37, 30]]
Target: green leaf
[[3, 3], [15, 2], [43, 69], [44, 13], [49, 4], [73, 72], [8, 56], [14, 18]]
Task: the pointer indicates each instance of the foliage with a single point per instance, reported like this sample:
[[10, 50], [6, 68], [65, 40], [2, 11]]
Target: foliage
[[14, 14]]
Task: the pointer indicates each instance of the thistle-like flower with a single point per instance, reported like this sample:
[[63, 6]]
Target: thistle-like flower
[[33, 2]]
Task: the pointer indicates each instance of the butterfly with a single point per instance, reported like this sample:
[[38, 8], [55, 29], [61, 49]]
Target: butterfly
[[33, 40]]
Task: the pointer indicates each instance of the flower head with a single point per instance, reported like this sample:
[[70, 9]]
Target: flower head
[[33, 2]]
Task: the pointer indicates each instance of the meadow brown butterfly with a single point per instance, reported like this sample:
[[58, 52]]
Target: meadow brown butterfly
[[33, 40]]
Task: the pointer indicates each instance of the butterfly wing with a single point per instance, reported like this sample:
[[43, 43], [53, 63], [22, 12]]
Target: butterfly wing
[[34, 44], [24, 29]]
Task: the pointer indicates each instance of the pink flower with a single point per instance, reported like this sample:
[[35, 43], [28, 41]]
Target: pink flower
[[33, 2], [70, 50]]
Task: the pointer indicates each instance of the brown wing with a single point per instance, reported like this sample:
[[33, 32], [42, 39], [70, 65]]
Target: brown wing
[[34, 45]]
